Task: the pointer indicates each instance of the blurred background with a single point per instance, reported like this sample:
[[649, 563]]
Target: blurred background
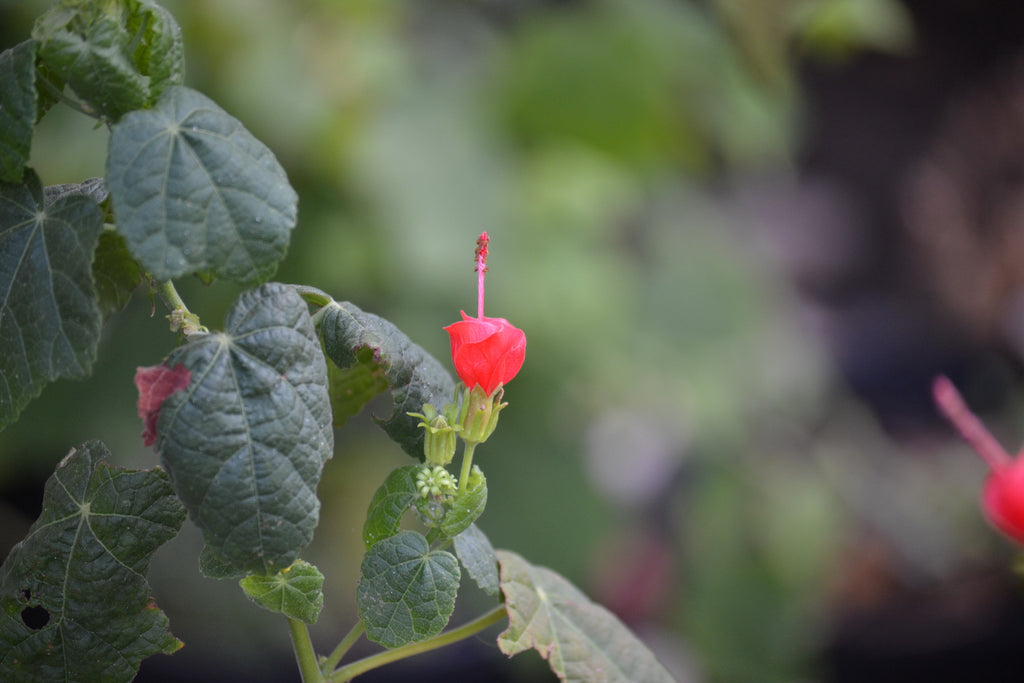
[[741, 236]]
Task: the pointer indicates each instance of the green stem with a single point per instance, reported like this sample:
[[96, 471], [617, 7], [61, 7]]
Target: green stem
[[181, 318], [304, 654], [467, 466], [347, 673], [346, 643]]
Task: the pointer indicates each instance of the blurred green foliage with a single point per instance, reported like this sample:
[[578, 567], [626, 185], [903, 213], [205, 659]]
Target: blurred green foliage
[[587, 138]]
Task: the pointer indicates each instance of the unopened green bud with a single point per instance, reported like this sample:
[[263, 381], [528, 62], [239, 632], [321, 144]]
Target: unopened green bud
[[440, 440], [479, 415]]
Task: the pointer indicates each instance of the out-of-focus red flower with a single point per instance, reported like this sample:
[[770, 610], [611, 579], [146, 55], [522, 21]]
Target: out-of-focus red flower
[[486, 351], [1002, 499], [155, 384]]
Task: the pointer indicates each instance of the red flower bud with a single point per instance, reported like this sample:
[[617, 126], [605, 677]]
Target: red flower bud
[[1003, 497], [486, 351]]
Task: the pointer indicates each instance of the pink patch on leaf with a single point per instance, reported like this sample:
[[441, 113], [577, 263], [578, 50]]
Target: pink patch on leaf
[[155, 384]]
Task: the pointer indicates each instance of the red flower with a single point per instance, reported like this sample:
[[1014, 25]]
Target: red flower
[[1003, 497], [486, 351], [155, 384]]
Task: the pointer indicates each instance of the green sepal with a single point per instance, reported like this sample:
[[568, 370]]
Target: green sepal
[[295, 591], [407, 591]]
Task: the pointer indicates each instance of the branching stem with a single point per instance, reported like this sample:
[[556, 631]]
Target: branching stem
[[350, 671]]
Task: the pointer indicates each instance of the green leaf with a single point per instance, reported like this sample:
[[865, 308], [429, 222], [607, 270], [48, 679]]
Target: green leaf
[[246, 441], [117, 56], [93, 188], [396, 495], [467, 506], [477, 555], [353, 387], [582, 641], [295, 591], [407, 591], [49, 319], [193, 190], [116, 273], [76, 605], [17, 109], [415, 377]]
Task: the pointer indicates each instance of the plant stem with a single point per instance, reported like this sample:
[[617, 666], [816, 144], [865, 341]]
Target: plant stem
[[347, 673], [347, 642], [181, 318], [170, 296], [467, 466], [304, 654]]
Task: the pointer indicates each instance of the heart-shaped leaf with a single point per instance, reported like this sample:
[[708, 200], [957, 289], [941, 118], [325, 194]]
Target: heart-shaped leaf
[[193, 190], [17, 109], [477, 555], [246, 440], [396, 495], [582, 641], [295, 591], [407, 591], [49, 320], [116, 56], [75, 602], [415, 376]]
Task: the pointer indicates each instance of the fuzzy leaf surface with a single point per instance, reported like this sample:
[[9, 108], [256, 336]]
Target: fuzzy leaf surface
[[49, 318], [396, 495], [116, 56], [193, 190], [477, 555], [115, 272], [295, 591], [76, 605], [582, 641], [17, 109], [245, 442], [414, 376], [354, 386], [407, 591]]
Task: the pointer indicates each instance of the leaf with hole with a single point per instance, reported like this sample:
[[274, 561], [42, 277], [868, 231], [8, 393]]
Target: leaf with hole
[[582, 641], [193, 190], [407, 591], [245, 442], [49, 319], [61, 618]]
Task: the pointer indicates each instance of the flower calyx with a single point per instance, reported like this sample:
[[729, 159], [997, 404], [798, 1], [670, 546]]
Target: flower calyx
[[440, 439], [478, 416]]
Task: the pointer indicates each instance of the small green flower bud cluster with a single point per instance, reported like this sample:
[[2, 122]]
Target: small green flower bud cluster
[[435, 482]]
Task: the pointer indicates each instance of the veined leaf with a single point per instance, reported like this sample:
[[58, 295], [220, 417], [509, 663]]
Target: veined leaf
[[396, 495], [296, 591], [415, 377], [17, 109], [407, 591], [582, 641], [76, 605], [117, 56], [49, 319], [477, 555], [246, 440], [353, 387], [193, 190], [116, 273]]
